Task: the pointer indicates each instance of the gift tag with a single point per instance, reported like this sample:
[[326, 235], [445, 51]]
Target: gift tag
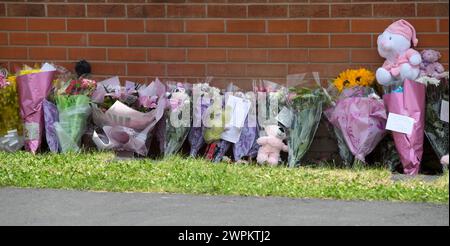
[[285, 117], [400, 123], [444, 111]]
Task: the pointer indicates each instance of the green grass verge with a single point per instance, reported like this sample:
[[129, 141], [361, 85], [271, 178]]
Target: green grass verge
[[96, 171]]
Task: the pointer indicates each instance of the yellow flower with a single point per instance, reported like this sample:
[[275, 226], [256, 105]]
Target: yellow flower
[[12, 79], [352, 77]]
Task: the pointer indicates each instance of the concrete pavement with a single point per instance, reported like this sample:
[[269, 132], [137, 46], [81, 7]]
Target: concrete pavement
[[59, 207]]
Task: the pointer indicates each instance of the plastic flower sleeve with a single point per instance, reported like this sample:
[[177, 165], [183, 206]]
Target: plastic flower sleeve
[[361, 121], [51, 116], [74, 111], [201, 100], [344, 152], [126, 128], [409, 100], [172, 130], [11, 142], [306, 109], [437, 130], [33, 89]]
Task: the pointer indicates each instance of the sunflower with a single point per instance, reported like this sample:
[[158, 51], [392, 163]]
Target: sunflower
[[354, 77]]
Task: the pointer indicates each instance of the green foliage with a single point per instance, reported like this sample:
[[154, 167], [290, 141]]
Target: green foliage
[[177, 174]]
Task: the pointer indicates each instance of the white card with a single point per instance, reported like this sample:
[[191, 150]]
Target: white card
[[444, 111], [240, 111], [400, 123]]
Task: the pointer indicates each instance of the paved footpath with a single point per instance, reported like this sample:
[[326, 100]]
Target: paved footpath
[[58, 207]]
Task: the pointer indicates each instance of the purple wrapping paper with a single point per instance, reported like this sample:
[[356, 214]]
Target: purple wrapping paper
[[160, 133], [33, 89], [410, 103], [195, 136], [362, 121], [246, 140], [222, 148], [50, 117]]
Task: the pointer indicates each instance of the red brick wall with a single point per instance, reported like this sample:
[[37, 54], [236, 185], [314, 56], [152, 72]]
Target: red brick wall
[[229, 39]]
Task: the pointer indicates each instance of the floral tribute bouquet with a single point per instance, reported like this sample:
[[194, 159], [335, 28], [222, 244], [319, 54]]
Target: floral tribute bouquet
[[237, 106], [358, 114], [9, 103], [203, 96], [173, 129], [9, 113], [216, 119], [271, 98], [73, 105], [33, 85], [302, 120], [246, 146], [127, 114], [436, 118]]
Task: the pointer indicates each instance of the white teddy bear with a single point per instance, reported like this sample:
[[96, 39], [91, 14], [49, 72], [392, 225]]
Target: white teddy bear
[[402, 62]]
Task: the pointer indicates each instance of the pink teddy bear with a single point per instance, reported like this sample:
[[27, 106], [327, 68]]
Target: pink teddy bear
[[430, 65], [271, 145]]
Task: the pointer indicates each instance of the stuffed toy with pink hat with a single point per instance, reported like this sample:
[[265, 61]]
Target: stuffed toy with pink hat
[[402, 62]]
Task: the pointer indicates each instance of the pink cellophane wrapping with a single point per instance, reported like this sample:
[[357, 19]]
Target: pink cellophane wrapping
[[126, 128], [33, 89], [410, 103], [362, 121]]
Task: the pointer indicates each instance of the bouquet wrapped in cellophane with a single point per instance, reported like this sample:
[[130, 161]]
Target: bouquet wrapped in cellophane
[[203, 96], [246, 146], [73, 112], [237, 106], [9, 113], [34, 85], [436, 124], [305, 111], [407, 98], [173, 129], [271, 98], [216, 120], [358, 114], [127, 114]]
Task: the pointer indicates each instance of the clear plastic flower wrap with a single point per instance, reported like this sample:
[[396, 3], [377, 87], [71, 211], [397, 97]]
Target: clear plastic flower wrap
[[202, 98], [305, 109], [436, 129], [172, 130], [73, 112], [237, 105]]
